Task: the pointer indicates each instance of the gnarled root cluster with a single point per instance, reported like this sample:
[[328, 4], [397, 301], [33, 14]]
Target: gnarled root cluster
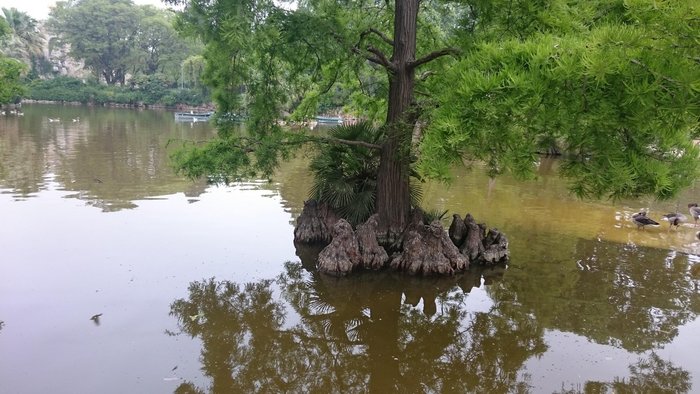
[[426, 248], [315, 223], [480, 245]]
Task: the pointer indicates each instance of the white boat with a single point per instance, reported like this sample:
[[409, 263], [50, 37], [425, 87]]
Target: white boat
[[193, 116], [329, 119]]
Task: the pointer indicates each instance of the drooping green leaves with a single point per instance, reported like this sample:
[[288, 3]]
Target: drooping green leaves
[[621, 99]]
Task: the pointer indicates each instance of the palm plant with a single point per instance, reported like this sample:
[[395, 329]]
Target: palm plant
[[25, 41], [345, 177]]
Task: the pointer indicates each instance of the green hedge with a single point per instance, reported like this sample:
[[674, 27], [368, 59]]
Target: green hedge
[[145, 91]]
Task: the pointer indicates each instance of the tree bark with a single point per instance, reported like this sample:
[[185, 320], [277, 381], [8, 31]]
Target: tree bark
[[315, 223], [428, 250], [372, 255], [479, 244], [342, 255], [393, 193]]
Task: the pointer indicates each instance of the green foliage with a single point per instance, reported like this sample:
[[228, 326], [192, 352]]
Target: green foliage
[[345, 177], [614, 84], [23, 41], [5, 29], [145, 90], [115, 38], [100, 32], [230, 157], [11, 88], [622, 98]]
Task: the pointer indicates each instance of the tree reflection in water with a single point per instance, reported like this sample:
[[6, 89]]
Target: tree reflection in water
[[621, 295], [357, 334], [382, 332], [648, 375]]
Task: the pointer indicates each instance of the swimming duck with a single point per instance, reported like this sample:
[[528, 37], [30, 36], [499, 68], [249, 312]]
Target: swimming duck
[[641, 220], [694, 212], [675, 219]]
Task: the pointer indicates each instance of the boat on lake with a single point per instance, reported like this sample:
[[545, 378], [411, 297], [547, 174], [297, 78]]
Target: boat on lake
[[193, 116], [329, 119]]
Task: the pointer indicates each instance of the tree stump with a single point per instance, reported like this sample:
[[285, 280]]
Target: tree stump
[[372, 256], [495, 247], [315, 223], [472, 246], [458, 230], [342, 255], [427, 250], [479, 244]]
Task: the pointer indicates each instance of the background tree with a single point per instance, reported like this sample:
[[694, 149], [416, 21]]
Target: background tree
[[11, 87], [100, 32], [615, 82], [117, 39], [24, 41]]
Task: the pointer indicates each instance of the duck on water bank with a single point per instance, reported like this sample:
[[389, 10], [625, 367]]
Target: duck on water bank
[[641, 220], [674, 219], [694, 212]]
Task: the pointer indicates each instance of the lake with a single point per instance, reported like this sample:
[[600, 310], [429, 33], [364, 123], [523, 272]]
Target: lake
[[119, 276]]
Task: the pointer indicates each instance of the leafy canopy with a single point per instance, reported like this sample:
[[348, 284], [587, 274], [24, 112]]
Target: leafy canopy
[[116, 38], [619, 92], [613, 83]]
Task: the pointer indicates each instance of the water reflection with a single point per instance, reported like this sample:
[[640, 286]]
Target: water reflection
[[649, 375], [384, 332], [622, 295], [107, 157], [326, 334]]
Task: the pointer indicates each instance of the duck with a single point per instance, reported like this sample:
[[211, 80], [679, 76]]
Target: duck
[[694, 212], [674, 219], [641, 220]]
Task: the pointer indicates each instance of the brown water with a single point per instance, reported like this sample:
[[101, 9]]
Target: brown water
[[200, 286]]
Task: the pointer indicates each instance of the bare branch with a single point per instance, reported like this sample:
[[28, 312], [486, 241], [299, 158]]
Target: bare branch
[[434, 55], [333, 140], [378, 58], [381, 56], [379, 33]]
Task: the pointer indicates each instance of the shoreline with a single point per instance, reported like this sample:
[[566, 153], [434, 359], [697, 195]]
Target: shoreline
[[179, 107]]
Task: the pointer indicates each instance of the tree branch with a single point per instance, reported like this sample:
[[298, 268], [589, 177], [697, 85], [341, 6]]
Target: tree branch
[[378, 58], [434, 55], [381, 56], [379, 33], [333, 140]]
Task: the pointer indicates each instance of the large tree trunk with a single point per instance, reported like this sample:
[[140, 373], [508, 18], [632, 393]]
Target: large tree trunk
[[393, 196]]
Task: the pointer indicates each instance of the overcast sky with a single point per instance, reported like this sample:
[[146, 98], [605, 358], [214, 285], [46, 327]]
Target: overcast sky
[[39, 9]]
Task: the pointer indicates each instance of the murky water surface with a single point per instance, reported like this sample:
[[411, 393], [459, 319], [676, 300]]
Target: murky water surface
[[116, 276]]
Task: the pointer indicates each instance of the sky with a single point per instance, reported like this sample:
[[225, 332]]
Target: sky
[[39, 9]]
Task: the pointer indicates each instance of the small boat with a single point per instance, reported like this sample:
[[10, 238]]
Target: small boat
[[329, 119], [193, 116]]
